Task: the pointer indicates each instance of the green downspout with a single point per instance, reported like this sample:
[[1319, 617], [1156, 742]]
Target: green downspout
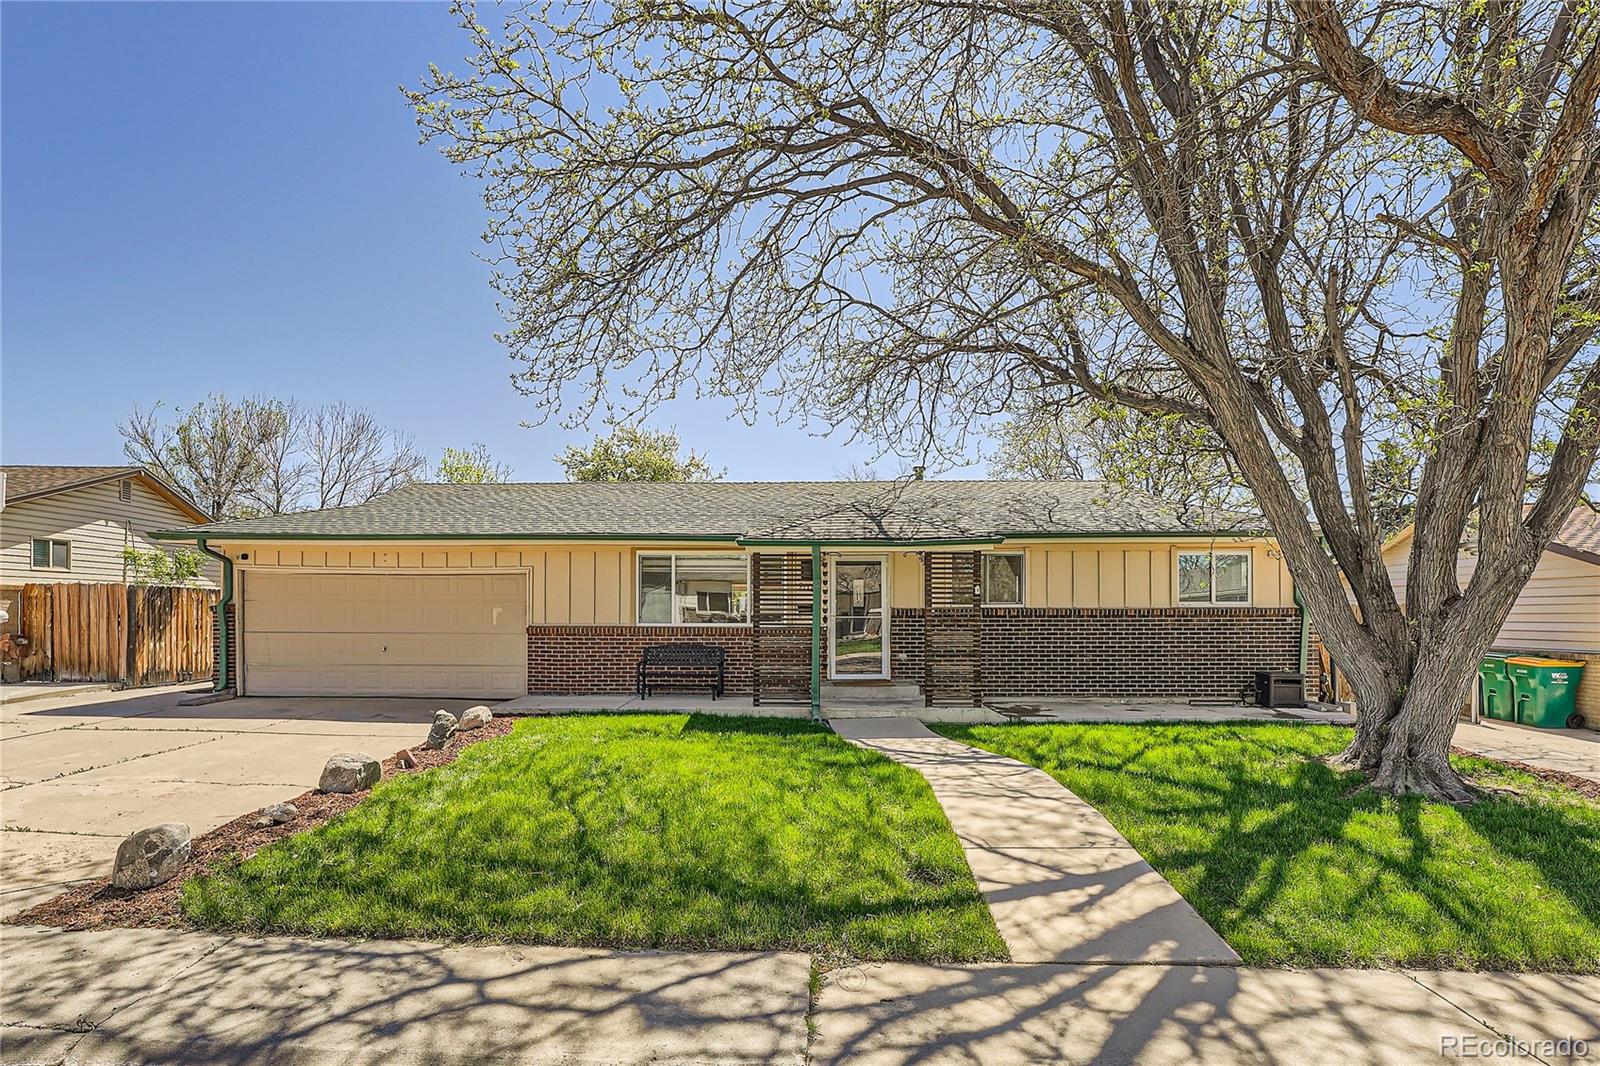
[[222, 612], [816, 632]]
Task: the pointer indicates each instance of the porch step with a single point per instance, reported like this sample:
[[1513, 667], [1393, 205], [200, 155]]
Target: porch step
[[864, 699]]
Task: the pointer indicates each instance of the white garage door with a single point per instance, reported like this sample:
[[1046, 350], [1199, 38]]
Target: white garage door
[[366, 634]]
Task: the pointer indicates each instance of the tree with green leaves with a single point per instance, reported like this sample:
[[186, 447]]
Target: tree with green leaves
[[628, 453], [154, 566], [1171, 458], [1307, 227], [471, 466]]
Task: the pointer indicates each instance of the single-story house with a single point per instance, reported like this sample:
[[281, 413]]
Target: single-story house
[[71, 524], [1558, 611], [956, 591]]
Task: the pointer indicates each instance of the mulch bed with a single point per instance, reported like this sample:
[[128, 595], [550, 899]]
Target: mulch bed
[[99, 904], [1582, 785]]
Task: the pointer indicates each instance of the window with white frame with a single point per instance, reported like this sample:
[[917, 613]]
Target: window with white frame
[[694, 589], [52, 554], [1214, 577], [1002, 579]]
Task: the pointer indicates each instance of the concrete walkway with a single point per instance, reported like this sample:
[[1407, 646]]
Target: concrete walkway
[[1062, 883], [24, 691], [159, 995], [146, 995], [1572, 751], [893, 1014]]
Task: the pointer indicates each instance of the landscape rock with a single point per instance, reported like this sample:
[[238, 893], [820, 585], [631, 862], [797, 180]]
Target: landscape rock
[[350, 771], [444, 727], [476, 717], [151, 856], [275, 814], [405, 760]]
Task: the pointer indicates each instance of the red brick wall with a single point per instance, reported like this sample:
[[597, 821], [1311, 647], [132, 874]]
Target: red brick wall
[[573, 660], [1066, 653], [1090, 653]]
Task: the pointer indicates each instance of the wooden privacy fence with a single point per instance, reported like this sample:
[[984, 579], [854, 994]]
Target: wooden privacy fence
[[130, 633]]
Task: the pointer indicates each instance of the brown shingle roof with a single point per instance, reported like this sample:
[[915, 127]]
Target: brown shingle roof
[[1580, 533], [25, 481], [31, 482]]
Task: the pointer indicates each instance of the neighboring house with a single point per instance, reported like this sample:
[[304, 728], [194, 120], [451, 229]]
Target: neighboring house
[[1557, 612], [954, 590], [71, 524]]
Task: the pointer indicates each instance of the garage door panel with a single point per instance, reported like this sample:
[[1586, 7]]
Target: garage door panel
[[385, 634]]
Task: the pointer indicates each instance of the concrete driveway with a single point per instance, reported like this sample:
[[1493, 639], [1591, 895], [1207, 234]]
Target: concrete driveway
[[80, 773]]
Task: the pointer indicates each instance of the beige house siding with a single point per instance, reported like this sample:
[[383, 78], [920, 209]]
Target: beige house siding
[[1137, 574], [572, 583], [98, 523], [1557, 611]]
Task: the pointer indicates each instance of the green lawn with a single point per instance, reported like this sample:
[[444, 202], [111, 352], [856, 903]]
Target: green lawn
[[631, 831], [1292, 862]]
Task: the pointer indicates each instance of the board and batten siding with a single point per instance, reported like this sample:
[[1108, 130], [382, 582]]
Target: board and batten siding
[[98, 523], [593, 584], [1137, 575], [1558, 609], [569, 583]]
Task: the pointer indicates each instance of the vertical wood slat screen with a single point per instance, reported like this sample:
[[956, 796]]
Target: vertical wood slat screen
[[952, 619], [113, 632], [780, 627]]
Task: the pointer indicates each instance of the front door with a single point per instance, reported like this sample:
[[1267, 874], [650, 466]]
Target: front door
[[858, 638]]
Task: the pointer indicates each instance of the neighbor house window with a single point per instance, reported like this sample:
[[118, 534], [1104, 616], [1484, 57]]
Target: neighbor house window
[[52, 554], [694, 589], [1214, 577], [1002, 579]]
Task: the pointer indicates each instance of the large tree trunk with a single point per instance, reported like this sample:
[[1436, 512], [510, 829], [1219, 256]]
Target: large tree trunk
[[1406, 719], [1409, 694]]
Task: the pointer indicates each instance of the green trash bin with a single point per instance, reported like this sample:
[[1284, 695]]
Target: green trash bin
[[1494, 689], [1546, 691]]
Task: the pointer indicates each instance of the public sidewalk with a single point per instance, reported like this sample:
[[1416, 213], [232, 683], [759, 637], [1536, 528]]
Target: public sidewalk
[[157, 995]]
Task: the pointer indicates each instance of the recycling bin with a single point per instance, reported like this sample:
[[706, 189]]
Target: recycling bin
[[1494, 689], [1546, 691]]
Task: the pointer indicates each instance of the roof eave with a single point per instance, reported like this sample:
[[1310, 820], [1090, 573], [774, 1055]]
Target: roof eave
[[177, 499], [238, 535], [864, 542]]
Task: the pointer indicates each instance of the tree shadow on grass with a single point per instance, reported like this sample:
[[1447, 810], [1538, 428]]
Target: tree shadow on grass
[[719, 837], [1274, 848]]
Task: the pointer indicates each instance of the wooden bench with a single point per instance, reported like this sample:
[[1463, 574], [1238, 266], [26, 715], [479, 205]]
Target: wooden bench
[[679, 662]]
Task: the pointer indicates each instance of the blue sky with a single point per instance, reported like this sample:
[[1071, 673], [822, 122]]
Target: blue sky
[[202, 197]]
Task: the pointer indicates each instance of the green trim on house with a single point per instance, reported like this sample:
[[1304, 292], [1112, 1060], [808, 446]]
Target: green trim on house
[[1112, 534], [221, 608], [816, 632], [887, 542], [250, 538]]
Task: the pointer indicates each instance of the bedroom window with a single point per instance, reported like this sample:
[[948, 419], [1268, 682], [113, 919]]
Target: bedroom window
[[694, 589], [52, 554], [1220, 578], [1002, 579]]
